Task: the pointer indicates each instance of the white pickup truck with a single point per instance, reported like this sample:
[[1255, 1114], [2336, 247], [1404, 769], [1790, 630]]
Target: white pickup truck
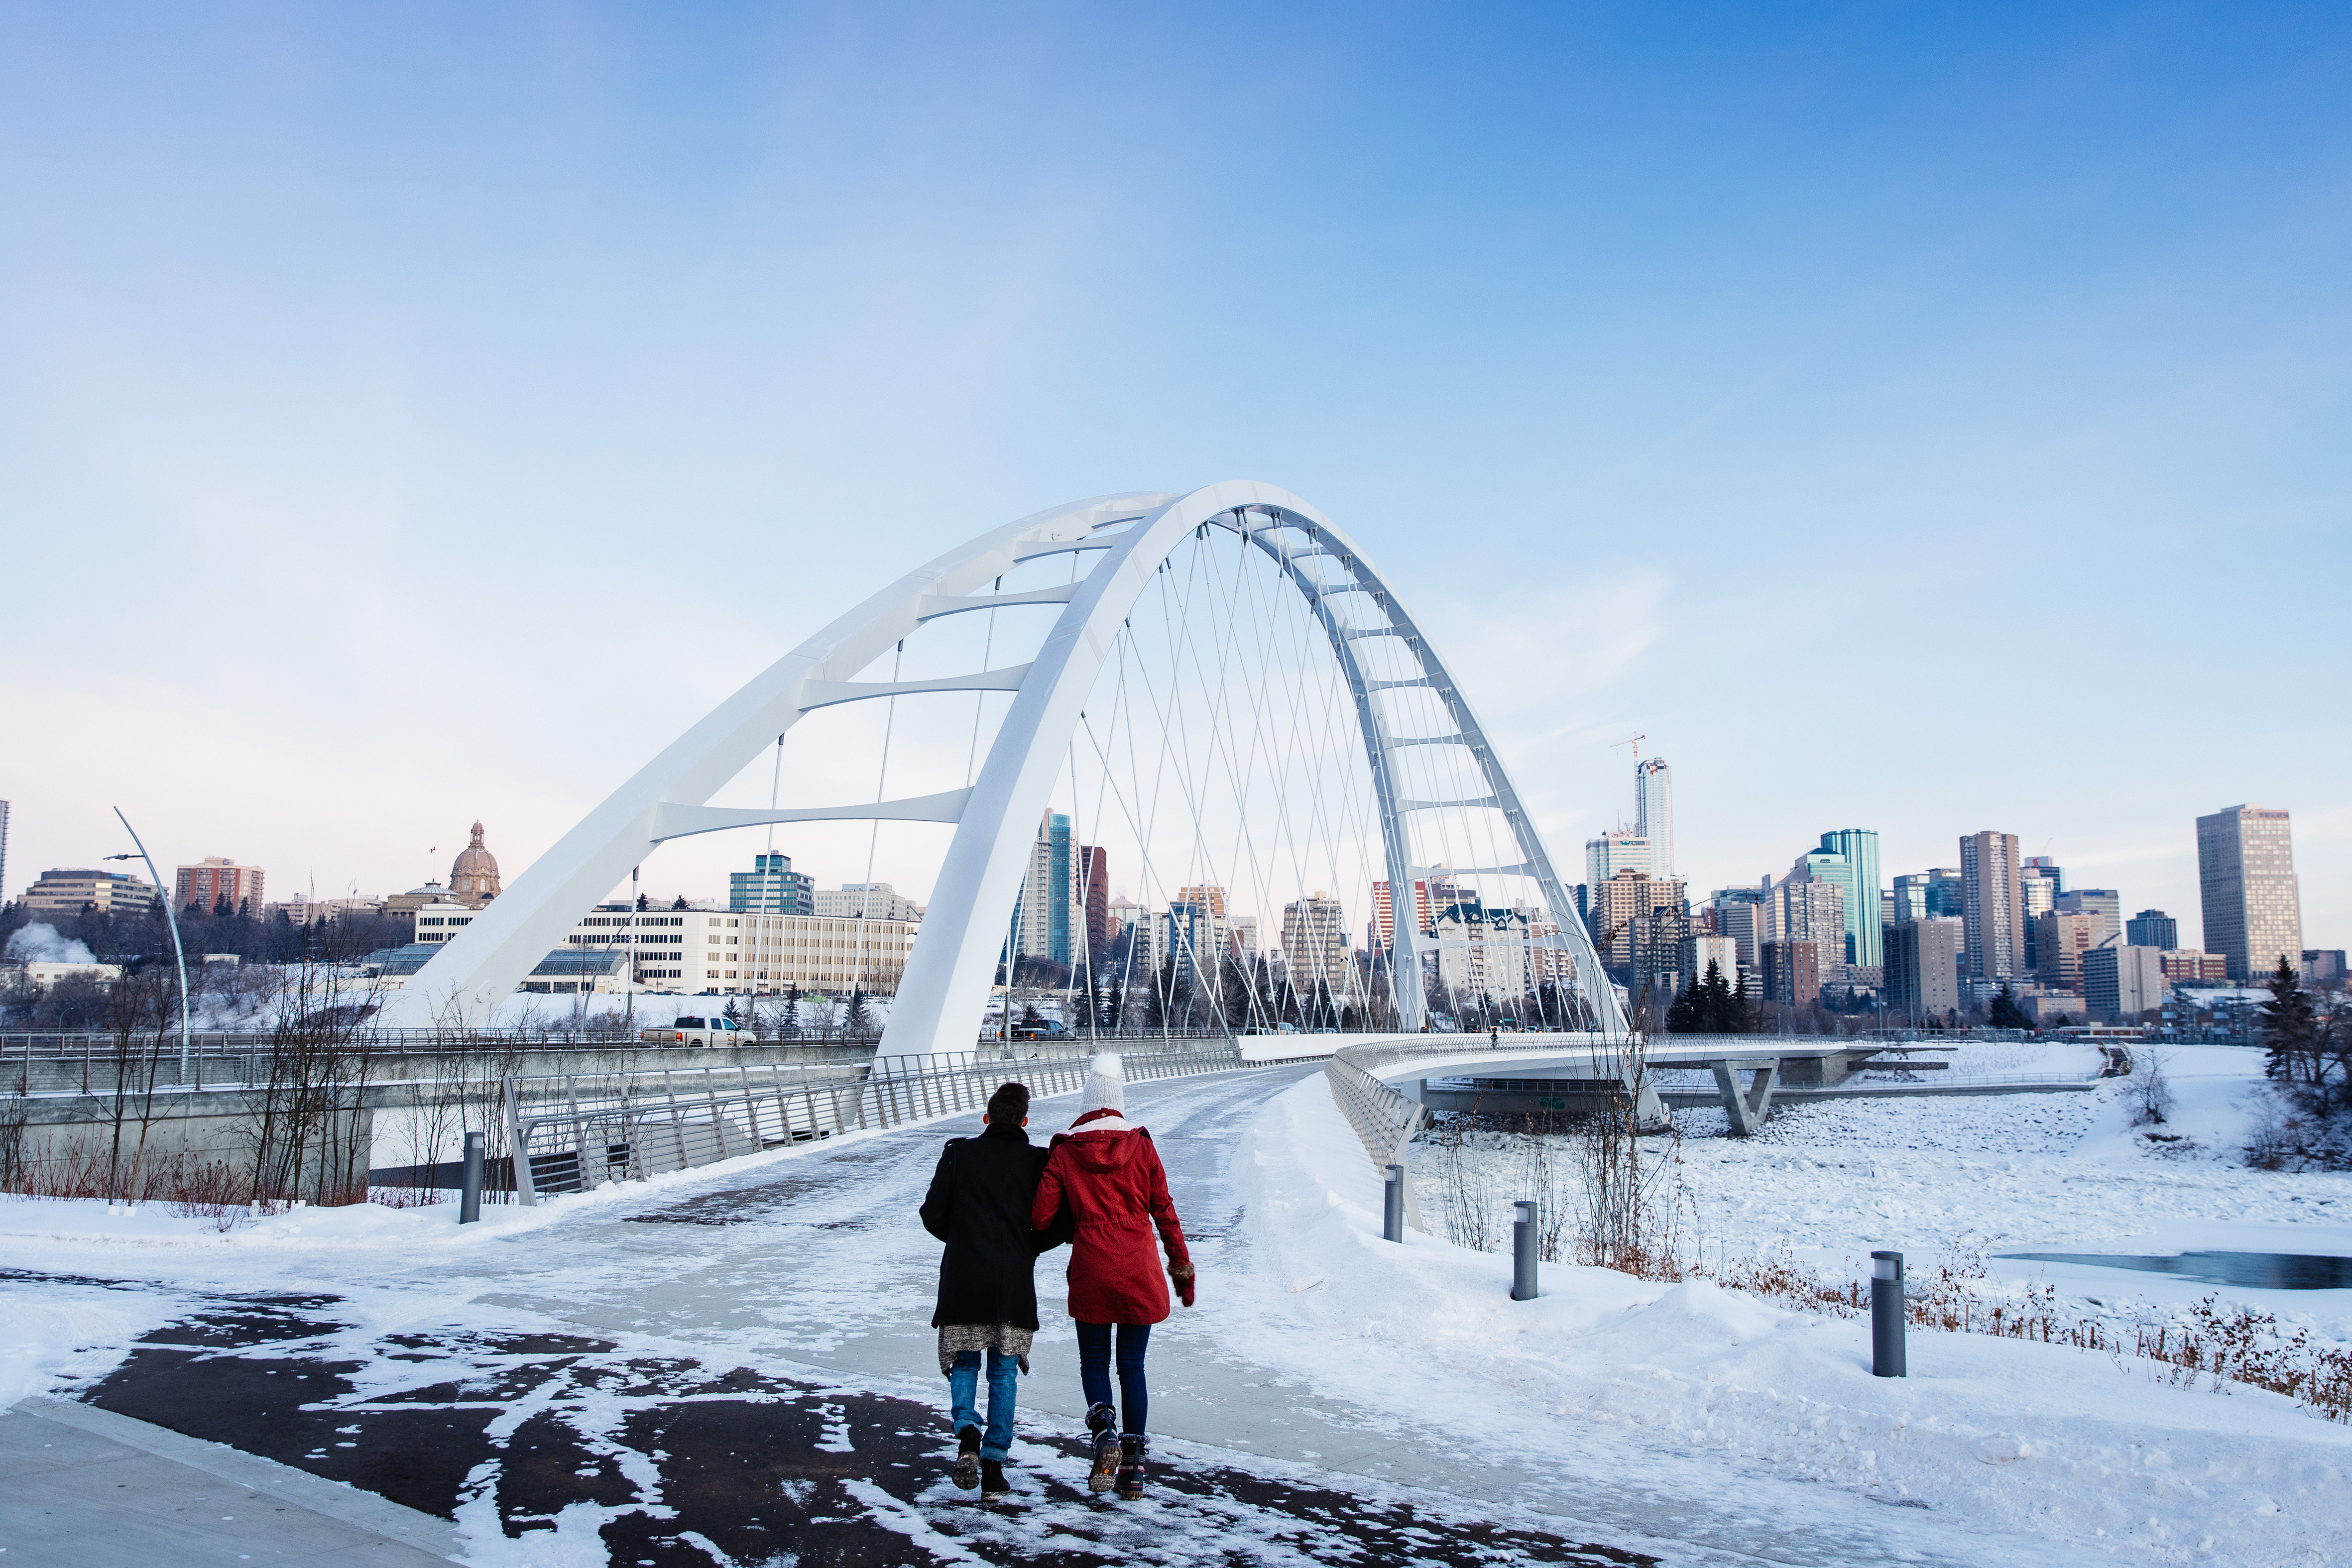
[[690, 1030]]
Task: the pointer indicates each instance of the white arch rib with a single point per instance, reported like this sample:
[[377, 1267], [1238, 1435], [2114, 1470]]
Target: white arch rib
[[943, 992]]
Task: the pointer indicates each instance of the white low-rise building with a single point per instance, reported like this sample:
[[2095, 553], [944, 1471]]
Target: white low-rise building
[[40, 975], [442, 919], [731, 952], [872, 900]]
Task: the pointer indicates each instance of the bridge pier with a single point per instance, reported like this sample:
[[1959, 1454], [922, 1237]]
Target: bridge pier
[[1746, 1110]]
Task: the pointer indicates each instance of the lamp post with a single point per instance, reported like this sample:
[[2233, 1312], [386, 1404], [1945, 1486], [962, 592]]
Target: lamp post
[[629, 982], [172, 920]]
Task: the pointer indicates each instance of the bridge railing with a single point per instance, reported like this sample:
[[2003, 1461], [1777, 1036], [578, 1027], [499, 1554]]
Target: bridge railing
[[582, 1132]]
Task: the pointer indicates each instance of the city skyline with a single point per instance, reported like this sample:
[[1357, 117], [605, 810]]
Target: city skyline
[[2062, 321]]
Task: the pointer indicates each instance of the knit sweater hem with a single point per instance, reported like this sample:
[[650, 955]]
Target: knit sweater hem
[[1003, 1338]]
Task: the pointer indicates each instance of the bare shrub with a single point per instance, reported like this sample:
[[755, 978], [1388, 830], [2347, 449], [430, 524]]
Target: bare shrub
[[1630, 1215], [2151, 1096], [2217, 1346], [2297, 1132]]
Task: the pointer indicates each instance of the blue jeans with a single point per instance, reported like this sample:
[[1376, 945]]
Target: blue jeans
[[1003, 1388], [1094, 1369]]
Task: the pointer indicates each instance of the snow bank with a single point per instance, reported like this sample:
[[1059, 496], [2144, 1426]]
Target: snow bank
[[52, 1331], [2048, 1446]]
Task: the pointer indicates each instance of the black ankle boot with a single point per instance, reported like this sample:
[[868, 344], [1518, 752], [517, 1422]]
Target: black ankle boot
[[1102, 1424], [967, 1468], [992, 1478], [1131, 1467]]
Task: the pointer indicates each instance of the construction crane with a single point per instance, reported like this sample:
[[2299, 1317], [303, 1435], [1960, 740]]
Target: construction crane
[[1635, 742]]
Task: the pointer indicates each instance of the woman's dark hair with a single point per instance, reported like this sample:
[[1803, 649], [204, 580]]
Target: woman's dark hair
[[1008, 1104]]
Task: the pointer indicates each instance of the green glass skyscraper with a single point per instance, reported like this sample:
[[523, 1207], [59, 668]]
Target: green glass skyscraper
[[1859, 848]]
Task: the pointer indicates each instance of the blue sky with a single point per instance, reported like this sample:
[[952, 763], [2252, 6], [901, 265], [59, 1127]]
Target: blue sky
[[1921, 418]]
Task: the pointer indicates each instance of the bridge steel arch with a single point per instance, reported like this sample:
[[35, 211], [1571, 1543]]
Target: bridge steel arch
[[943, 990]]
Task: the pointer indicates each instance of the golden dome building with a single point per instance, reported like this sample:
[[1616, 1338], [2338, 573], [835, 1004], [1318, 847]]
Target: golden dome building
[[474, 876]]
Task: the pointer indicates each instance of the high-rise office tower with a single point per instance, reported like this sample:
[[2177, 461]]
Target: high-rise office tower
[[1739, 913], [1049, 913], [2104, 903], [1832, 867], [2119, 984], [1218, 939], [2152, 928], [3, 852], [1792, 973], [1992, 911], [2041, 881], [1384, 911], [1315, 943], [1613, 851], [1923, 967], [1623, 900], [1654, 812], [2062, 938], [1923, 894], [1094, 897], [1809, 909], [2246, 883], [1859, 848]]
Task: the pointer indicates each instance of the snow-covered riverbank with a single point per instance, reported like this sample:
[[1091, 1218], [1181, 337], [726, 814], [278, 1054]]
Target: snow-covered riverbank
[[2043, 1444]]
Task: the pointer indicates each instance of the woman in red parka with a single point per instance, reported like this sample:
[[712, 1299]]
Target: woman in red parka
[[1107, 1173]]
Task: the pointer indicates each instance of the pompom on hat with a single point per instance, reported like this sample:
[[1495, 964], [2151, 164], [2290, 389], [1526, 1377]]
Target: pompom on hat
[[1102, 1105]]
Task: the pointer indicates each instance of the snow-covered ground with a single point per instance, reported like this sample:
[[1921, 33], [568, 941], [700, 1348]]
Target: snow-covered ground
[[1666, 1414], [1830, 1181], [2033, 1443]]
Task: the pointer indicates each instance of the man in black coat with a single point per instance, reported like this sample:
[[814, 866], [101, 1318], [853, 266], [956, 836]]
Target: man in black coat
[[979, 1205]]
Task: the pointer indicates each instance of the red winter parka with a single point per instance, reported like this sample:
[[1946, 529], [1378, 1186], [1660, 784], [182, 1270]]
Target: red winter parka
[[1117, 1192]]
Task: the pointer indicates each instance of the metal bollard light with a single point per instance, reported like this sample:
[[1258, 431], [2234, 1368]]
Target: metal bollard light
[[1523, 1251], [470, 1202], [1392, 1204], [1887, 1315]]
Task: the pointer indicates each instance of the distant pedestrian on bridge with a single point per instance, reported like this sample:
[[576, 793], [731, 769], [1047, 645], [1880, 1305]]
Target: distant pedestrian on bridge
[[980, 1203], [1106, 1170]]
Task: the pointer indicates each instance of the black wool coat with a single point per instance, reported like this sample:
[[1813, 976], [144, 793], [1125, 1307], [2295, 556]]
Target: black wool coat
[[979, 1205]]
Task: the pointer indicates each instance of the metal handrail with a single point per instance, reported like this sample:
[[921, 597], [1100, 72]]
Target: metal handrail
[[700, 1128]]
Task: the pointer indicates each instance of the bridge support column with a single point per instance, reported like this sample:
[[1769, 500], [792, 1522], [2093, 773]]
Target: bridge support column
[[1746, 1110]]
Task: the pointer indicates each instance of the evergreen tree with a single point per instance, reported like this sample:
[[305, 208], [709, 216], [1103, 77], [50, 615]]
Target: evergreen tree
[[1235, 988], [2006, 1013], [1685, 1013], [859, 1016], [2290, 1025], [1739, 1014], [1715, 1008]]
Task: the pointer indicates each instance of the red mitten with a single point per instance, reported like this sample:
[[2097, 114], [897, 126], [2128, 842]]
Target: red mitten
[[1182, 1273]]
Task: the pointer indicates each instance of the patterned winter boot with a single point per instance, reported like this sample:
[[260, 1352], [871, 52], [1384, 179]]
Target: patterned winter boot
[[1103, 1422], [967, 1470], [1131, 1467]]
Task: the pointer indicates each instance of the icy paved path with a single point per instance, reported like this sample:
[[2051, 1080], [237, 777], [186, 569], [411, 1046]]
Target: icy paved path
[[819, 1262]]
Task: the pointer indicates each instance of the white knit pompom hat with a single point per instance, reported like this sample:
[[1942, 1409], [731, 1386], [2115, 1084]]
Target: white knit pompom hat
[[1106, 1085]]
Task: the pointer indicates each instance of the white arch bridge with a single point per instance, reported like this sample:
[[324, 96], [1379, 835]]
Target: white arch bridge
[[1226, 685]]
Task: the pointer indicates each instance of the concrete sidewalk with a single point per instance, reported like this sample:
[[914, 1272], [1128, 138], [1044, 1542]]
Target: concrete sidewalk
[[90, 1489]]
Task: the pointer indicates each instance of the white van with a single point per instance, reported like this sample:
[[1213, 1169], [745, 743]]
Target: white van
[[687, 1030]]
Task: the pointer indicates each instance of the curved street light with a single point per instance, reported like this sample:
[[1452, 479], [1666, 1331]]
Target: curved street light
[[173, 921]]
